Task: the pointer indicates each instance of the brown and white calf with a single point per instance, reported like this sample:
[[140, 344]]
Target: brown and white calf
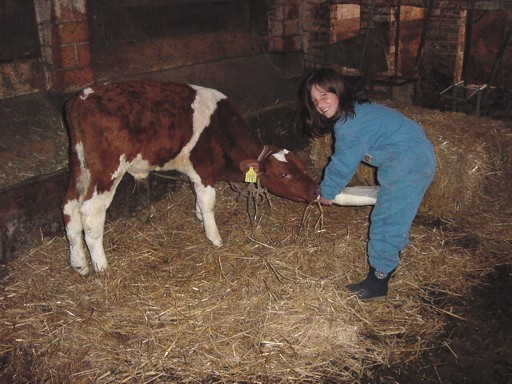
[[140, 126]]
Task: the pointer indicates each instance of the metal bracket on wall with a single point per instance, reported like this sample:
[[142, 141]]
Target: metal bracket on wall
[[464, 94]]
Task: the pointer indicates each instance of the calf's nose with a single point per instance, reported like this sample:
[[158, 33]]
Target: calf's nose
[[315, 192]]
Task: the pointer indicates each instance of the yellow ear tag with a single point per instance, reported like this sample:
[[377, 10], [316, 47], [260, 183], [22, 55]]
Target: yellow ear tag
[[251, 176]]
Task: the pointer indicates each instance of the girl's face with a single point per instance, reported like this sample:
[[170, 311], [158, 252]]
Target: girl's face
[[326, 103]]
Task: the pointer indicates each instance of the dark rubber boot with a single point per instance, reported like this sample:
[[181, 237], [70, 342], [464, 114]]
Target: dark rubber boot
[[375, 286]]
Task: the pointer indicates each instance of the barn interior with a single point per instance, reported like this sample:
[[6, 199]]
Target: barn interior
[[453, 57]]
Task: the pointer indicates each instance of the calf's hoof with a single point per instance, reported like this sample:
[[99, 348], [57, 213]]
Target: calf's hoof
[[83, 270]]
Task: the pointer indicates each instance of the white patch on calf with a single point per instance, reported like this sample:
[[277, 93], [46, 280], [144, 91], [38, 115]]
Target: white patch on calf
[[281, 155], [86, 92], [140, 168], [74, 229], [204, 106], [93, 220], [85, 176]]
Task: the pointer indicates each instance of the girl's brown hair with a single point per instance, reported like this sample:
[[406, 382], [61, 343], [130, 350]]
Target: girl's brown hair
[[314, 123]]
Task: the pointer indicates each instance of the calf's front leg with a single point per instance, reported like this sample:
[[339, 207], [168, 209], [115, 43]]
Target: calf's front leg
[[205, 207]]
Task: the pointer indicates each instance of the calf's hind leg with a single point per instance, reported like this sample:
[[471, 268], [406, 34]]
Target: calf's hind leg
[[93, 212], [74, 230]]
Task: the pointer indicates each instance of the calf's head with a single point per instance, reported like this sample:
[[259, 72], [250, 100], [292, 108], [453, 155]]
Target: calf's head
[[283, 173]]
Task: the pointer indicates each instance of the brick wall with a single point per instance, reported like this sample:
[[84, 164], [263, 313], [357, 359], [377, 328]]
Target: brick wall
[[299, 26], [68, 60], [71, 55], [304, 26]]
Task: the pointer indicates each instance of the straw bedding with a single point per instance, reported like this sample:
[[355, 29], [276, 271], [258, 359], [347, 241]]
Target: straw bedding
[[267, 306]]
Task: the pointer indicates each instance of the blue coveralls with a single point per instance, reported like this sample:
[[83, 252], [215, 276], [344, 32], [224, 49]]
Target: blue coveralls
[[399, 148]]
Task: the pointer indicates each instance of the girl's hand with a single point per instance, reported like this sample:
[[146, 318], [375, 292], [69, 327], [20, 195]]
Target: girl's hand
[[324, 201]]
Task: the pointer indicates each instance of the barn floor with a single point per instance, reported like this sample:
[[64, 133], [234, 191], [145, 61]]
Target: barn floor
[[480, 351], [73, 327], [34, 139]]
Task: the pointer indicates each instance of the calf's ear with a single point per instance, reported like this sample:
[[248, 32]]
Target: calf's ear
[[256, 166]]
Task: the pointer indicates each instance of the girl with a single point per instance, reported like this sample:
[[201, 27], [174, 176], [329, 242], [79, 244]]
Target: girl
[[383, 138]]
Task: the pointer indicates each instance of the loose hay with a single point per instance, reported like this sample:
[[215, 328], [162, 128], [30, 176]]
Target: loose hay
[[267, 306]]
